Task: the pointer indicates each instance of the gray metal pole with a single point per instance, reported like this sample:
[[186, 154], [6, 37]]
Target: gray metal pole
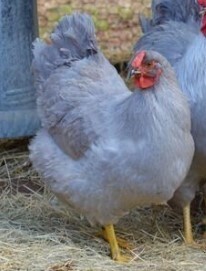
[[18, 29]]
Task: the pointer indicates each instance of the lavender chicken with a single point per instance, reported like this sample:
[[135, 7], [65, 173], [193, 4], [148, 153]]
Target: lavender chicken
[[184, 45], [171, 10], [99, 147]]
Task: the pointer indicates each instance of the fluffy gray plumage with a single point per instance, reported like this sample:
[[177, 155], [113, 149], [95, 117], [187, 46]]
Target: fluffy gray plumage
[[184, 46], [174, 10], [103, 149]]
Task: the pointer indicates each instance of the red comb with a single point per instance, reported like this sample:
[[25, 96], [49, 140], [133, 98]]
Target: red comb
[[138, 59], [202, 3]]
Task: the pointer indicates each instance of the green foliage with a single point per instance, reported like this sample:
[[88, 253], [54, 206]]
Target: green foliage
[[125, 13]]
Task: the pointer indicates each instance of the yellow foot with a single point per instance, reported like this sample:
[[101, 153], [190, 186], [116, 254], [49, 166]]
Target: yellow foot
[[123, 258], [121, 242], [115, 251]]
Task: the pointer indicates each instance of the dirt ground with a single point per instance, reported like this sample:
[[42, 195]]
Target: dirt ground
[[39, 234]]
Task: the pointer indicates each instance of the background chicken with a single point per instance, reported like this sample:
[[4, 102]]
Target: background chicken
[[171, 10], [183, 44], [99, 147]]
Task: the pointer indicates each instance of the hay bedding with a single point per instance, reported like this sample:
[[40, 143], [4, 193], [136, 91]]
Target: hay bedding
[[39, 234]]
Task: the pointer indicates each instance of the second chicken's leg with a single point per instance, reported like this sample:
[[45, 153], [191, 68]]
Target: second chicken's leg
[[187, 225]]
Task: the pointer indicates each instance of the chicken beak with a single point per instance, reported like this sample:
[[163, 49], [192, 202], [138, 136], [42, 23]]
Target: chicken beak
[[202, 11], [133, 72]]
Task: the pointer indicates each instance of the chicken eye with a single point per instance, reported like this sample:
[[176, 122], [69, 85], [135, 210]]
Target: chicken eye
[[149, 64]]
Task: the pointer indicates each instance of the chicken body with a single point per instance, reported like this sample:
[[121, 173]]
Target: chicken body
[[103, 149], [125, 166]]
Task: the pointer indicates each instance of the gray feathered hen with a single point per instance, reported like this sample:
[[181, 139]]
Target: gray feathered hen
[[184, 45], [103, 149], [170, 10]]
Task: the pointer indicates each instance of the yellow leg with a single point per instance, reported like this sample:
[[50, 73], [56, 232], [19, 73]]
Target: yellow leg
[[188, 229], [121, 242], [115, 251], [187, 225]]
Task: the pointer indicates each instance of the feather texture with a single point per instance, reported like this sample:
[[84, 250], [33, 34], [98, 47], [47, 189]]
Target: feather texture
[[65, 48]]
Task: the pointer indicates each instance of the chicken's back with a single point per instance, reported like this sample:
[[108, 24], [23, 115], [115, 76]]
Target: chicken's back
[[72, 78]]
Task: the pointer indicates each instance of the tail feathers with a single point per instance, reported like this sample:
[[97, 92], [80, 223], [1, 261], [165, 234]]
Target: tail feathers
[[73, 39]]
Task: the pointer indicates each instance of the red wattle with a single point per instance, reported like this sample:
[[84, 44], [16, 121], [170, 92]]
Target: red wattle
[[144, 82]]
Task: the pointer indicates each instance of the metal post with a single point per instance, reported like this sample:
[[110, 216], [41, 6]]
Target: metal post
[[18, 29]]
